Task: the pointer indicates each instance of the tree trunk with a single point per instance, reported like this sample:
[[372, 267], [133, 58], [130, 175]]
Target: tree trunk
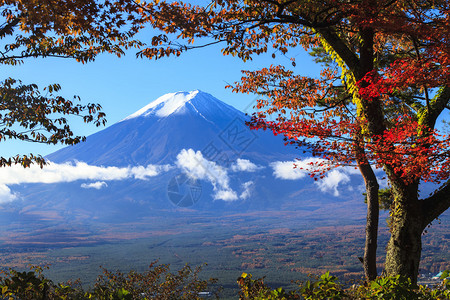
[[405, 245], [370, 249], [373, 211]]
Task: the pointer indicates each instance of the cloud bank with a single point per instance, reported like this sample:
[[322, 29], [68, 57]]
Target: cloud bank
[[189, 161], [69, 172]]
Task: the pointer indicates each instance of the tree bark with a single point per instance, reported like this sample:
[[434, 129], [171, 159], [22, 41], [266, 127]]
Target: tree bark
[[373, 211], [405, 244], [370, 249], [436, 204]]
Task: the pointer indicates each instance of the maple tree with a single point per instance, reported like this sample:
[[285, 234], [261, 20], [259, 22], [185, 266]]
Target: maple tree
[[78, 30], [384, 83]]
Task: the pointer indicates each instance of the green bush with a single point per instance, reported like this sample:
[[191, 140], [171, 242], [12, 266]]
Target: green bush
[[33, 285], [395, 287], [401, 288], [256, 289], [326, 287]]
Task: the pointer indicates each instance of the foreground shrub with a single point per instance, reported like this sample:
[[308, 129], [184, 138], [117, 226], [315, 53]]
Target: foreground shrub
[[258, 290], [159, 283], [156, 283], [33, 285], [327, 287], [324, 288], [401, 288]]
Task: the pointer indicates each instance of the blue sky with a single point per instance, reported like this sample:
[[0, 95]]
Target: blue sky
[[122, 86]]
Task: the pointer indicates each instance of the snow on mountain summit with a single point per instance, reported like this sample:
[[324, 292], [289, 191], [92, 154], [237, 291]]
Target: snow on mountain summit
[[165, 105], [178, 103], [156, 133]]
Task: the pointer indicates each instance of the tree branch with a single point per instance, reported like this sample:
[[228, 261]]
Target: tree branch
[[288, 19], [437, 105], [7, 29], [436, 204], [341, 48]]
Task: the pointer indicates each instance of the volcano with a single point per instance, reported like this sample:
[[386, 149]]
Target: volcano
[[158, 132]]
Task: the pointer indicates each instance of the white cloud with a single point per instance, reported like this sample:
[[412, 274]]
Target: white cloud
[[6, 195], [143, 173], [53, 173], [194, 164], [226, 195], [351, 170], [69, 172], [244, 165], [293, 170], [248, 187], [201, 168], [332, 181], [286, 170], [95, 185]]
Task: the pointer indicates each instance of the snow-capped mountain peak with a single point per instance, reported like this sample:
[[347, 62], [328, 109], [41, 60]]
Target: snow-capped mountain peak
[[152, 134], [195, 102], [165, 105]]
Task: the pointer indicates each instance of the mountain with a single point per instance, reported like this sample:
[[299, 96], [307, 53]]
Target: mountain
[[158, 132], [183, 152]]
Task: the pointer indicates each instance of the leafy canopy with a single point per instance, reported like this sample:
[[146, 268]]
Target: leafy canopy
[[78, 30], [383, 84]]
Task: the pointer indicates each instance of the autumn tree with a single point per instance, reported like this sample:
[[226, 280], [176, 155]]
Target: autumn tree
[[383, 85], [78, 30]]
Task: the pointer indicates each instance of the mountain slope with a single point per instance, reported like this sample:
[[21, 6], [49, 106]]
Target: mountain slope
[[158, 132]]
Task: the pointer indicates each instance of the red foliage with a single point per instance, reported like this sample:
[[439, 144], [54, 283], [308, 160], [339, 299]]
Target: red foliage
[[375, 105]]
